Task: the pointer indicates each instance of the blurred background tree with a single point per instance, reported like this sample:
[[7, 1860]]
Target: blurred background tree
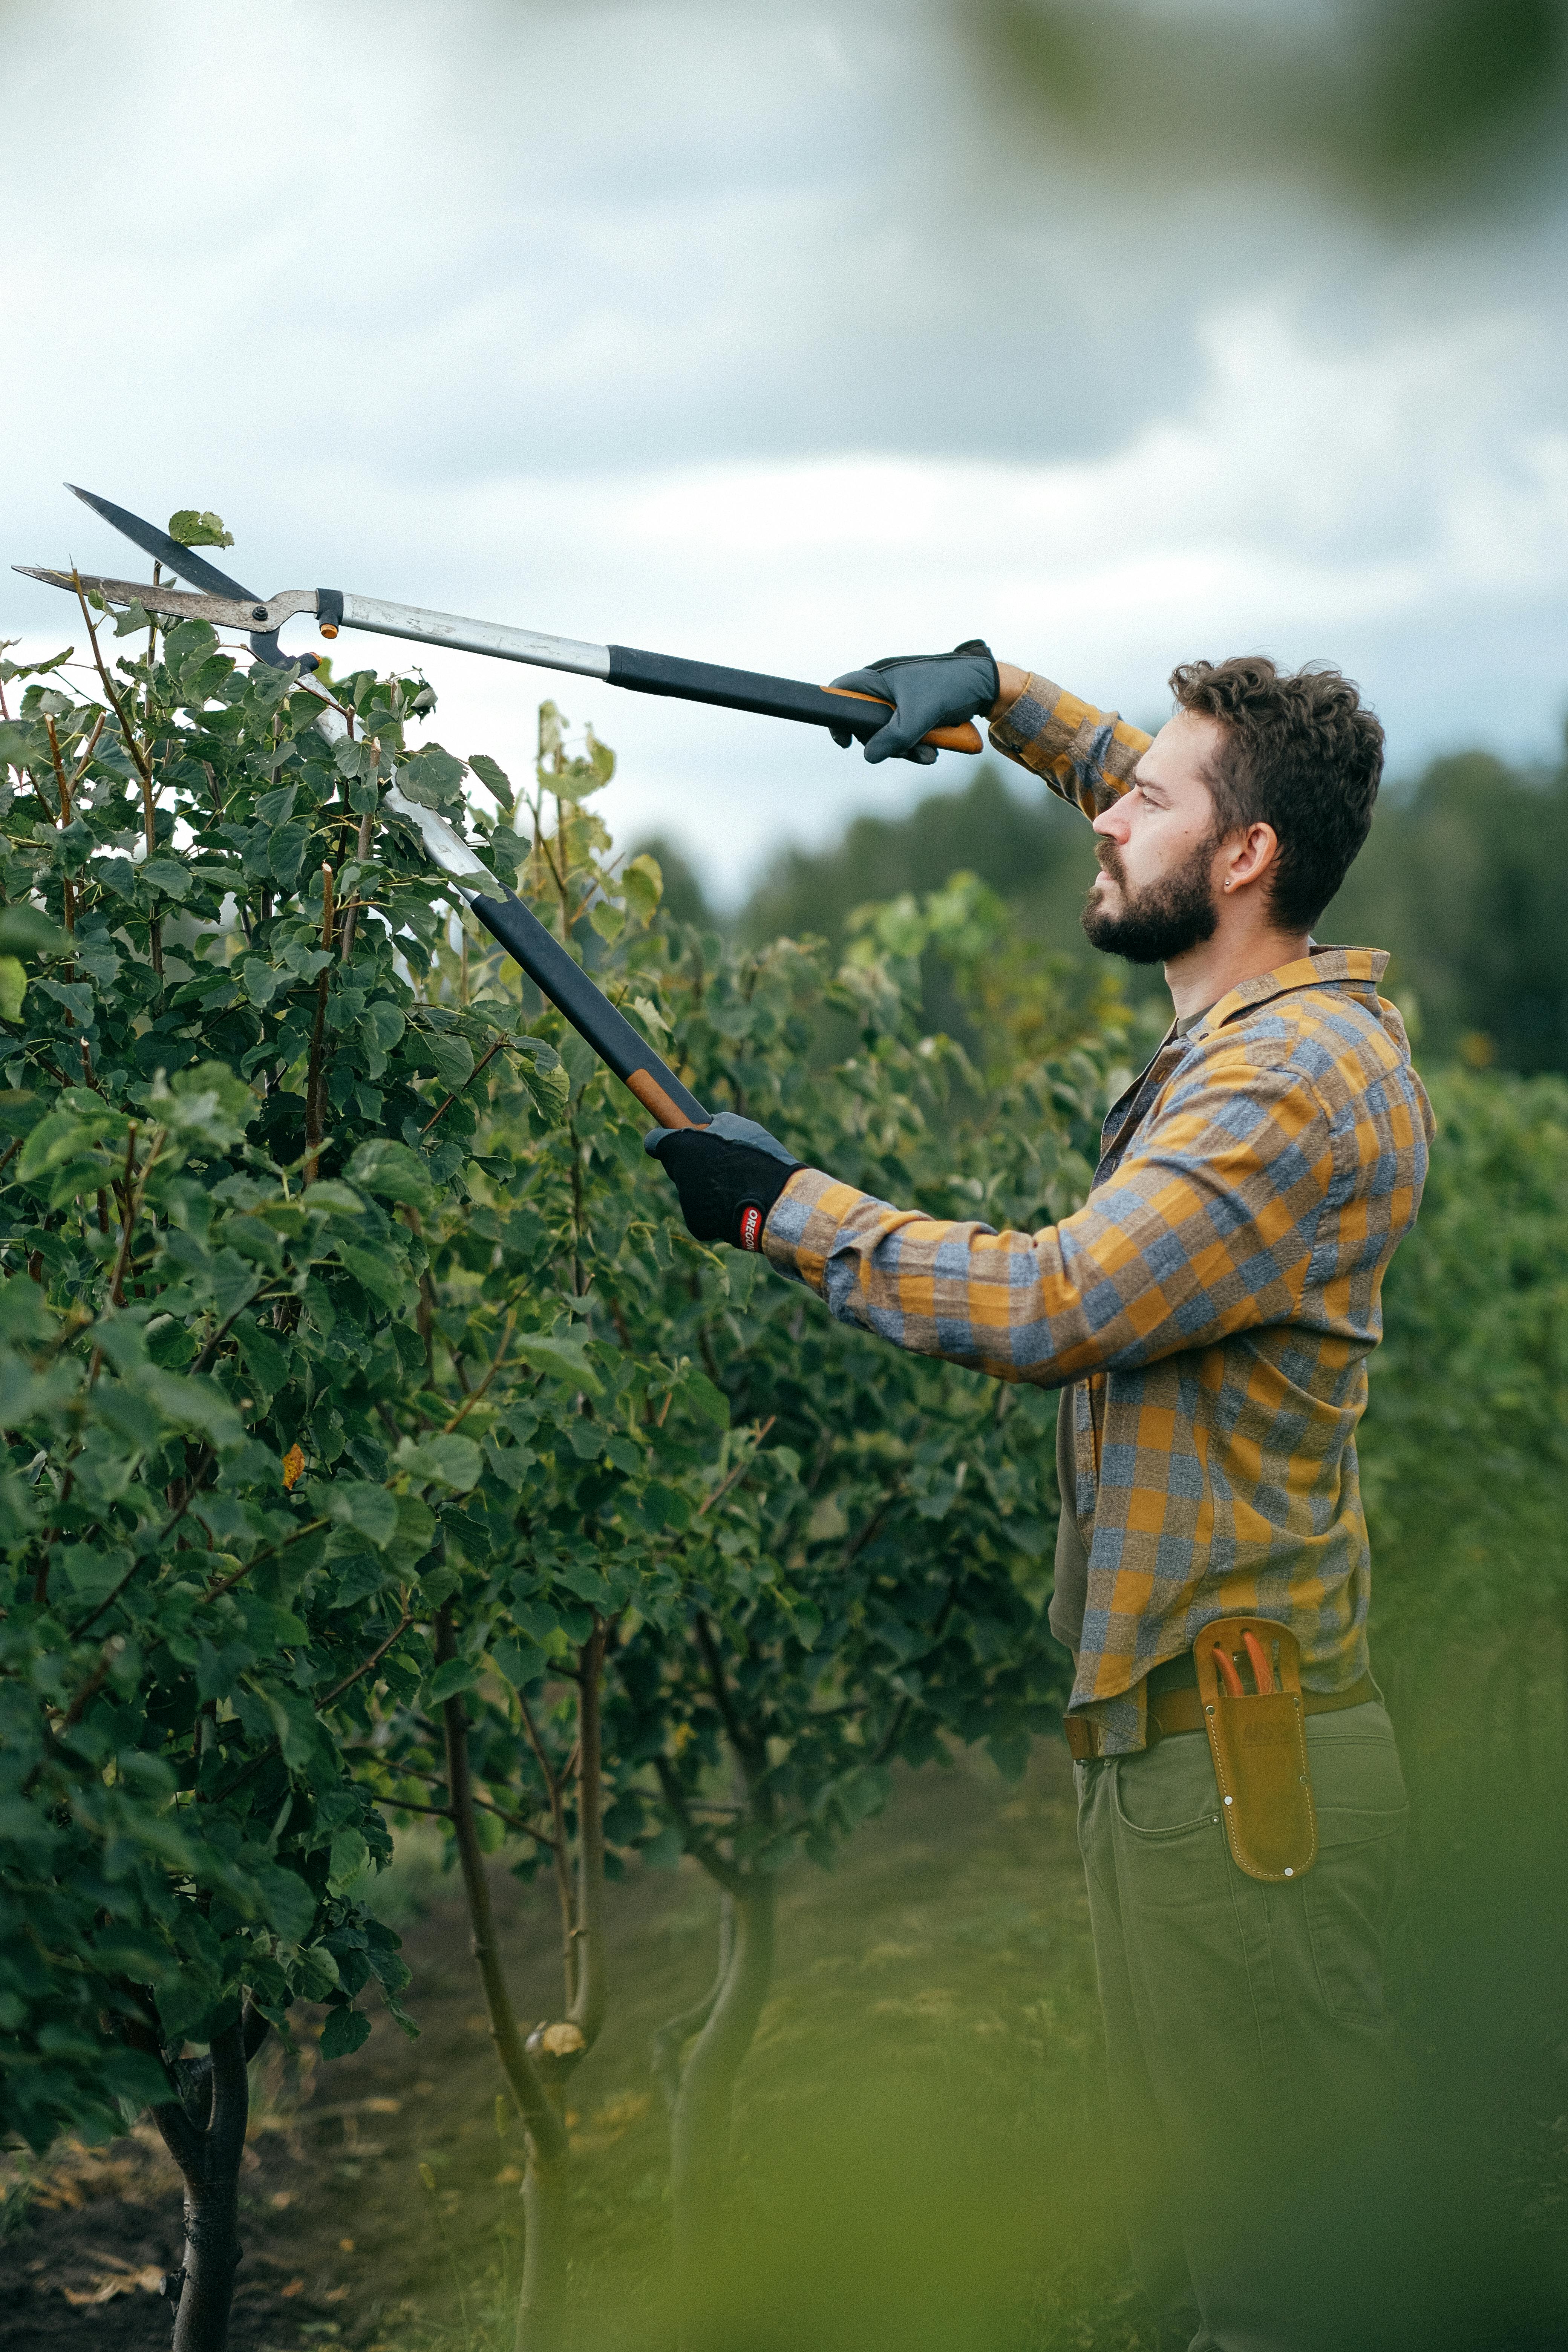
[[1465, 879]]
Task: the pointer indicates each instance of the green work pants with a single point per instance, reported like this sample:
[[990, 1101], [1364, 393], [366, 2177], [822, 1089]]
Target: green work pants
[[1247, 2039]]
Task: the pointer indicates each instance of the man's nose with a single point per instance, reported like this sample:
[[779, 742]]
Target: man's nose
[[1112, 823]]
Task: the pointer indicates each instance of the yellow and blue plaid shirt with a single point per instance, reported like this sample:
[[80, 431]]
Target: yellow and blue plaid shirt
[[1215, 1300]]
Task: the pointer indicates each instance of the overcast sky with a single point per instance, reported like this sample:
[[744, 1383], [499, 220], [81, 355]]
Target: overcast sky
[[763, 337]]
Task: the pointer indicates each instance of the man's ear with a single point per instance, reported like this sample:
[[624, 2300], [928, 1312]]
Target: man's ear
[[1248, 857]]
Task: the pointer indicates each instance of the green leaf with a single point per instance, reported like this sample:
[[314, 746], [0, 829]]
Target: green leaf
[[25, 931], [370, 1510], [287, 1903], [580, 1062], [392, 1170], [643, 883], [453, 1461], [276, 808], [197, 1405], [166, 874], [415, 1525], [329, 1198], [385, 1022], [380, 1273], [456, 1674], [262, 1357], [345, 2031], [187, 641], [570, 779], [208, 1101], [562, 1358], [432, 777], [350, 1859], [493, 777], [12, 987], [453, 1060], [196, 528], [314, 1974], [543, 1075], [522, 1663], [701, 1395], [60, 1139], [261, 980]]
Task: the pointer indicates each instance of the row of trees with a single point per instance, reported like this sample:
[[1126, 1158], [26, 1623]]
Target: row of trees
[[1465, 879], [376, 1444]]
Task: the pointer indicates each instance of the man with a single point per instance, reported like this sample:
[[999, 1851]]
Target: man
[[1207, 1315]]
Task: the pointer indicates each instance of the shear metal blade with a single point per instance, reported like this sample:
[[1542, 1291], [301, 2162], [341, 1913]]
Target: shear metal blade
[[183, 561]]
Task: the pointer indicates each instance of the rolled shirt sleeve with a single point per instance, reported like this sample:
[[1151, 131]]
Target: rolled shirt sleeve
[[1206, 1229], [1086, 756]]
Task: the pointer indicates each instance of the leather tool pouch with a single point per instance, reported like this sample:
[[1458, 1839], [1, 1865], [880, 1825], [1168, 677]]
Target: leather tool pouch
[[1258, 1742]]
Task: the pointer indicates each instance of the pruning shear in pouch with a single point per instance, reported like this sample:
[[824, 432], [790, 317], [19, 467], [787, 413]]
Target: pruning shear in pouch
[[226, 604]]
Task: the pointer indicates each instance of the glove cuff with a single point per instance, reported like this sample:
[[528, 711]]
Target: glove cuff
[[978, 646]]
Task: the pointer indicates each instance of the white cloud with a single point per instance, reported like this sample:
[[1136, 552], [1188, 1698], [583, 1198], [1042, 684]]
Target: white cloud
[[733, 335]]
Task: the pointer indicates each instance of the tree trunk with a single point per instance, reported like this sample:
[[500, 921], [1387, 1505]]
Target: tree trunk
[[670, 2043], [590, 1993], [206, 2136], [541, 2310], [547, 2238], [699, 2126]]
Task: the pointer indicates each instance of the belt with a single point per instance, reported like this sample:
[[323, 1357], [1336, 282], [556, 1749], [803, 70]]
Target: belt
[[1181, 1709]]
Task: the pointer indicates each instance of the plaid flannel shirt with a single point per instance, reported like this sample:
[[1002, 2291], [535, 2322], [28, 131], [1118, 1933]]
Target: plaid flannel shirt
[[1215, 1299]]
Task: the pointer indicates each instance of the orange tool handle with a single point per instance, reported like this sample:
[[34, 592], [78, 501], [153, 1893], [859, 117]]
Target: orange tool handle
[[946, 738], [654, 1100], [1262, 1671]]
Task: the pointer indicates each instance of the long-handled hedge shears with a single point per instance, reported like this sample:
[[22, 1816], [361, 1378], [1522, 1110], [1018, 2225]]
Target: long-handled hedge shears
[[226, 604]]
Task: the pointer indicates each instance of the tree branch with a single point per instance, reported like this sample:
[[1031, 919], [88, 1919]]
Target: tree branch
[[315, 1080], [565, 1894], [697, 1844], [588, 2001], [143, 765], [374, 1658], [545, 2129], [468, 1082]]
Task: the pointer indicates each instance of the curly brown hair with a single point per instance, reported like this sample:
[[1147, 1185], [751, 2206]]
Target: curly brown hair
[[1302, 753]]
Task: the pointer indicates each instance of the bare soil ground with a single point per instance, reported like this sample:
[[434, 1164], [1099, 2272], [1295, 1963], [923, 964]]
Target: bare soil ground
[[905, 2136], [920, 2160]]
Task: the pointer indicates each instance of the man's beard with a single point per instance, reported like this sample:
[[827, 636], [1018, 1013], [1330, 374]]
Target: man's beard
[[1161, 923]]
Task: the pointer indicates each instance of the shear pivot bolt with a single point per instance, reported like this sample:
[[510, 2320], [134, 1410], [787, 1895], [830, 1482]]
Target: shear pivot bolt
[[259, 612]]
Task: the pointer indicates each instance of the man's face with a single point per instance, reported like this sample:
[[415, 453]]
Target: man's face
[[1154, 898]]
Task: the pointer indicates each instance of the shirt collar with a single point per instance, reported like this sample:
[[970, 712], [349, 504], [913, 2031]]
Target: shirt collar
[[1324, 967]]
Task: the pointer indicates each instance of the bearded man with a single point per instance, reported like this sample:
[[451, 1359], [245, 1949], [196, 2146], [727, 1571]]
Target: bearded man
[[1207, 1315]]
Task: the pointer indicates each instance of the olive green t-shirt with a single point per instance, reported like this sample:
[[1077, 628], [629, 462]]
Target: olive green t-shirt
[[1070, 1594]]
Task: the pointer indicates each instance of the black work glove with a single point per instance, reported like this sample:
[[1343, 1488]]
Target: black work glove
[[728, 1174], [928, 690]]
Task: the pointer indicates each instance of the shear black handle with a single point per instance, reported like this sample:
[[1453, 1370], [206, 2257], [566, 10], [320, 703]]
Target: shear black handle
[[590, 1012], [770, 698]]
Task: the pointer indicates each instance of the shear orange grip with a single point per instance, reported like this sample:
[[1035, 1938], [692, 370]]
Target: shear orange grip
[[1226, 1666], [963, 737], [1262, 1671]]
